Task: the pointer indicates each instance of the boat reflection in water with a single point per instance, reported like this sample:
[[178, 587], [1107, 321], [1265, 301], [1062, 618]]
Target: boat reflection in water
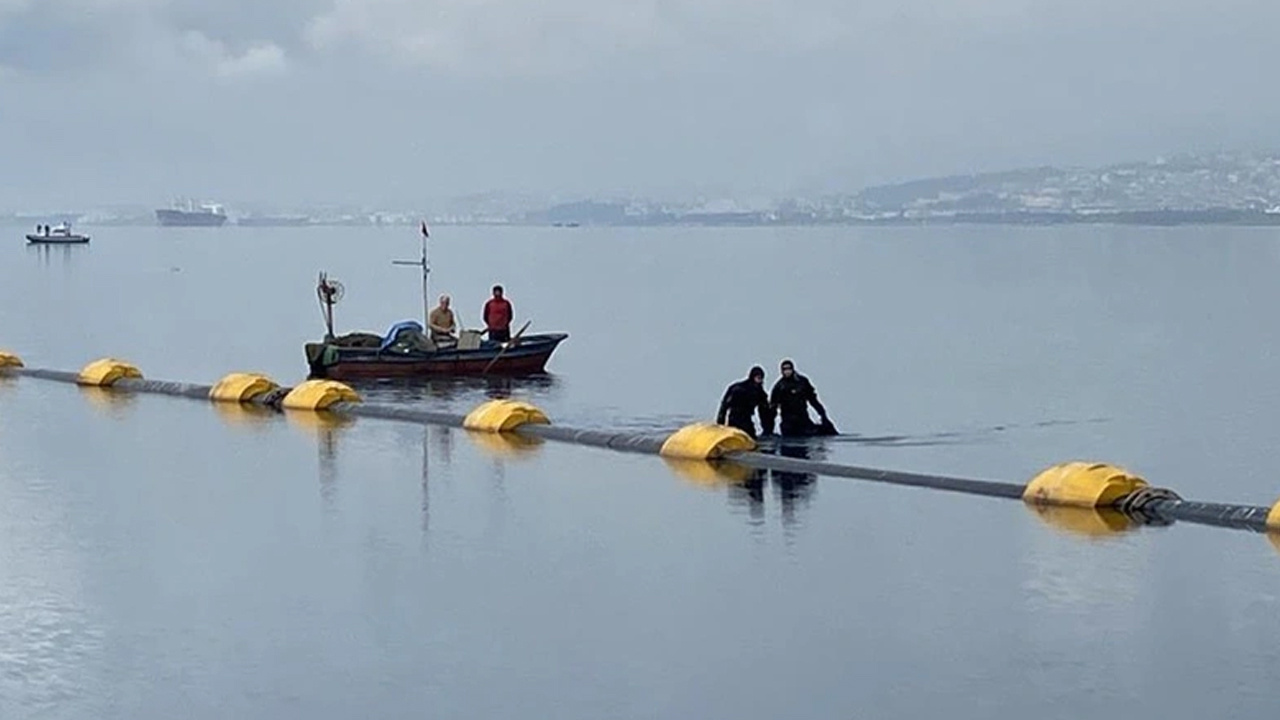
[[455, 390], [327, 429], [47, 252]]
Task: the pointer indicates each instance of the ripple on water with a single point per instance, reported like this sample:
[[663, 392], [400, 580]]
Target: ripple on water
[[46, 645]]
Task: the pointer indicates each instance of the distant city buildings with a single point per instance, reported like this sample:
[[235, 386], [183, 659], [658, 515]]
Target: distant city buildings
[[1221, 188]]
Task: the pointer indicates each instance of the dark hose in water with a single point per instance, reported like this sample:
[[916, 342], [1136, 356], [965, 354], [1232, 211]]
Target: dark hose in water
[[1079, 484]]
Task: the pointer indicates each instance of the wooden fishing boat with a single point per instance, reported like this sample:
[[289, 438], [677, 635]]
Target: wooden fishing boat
[[407, 351], [402, 354]]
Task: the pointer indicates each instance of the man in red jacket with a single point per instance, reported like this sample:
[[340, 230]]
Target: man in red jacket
[[497, 316]]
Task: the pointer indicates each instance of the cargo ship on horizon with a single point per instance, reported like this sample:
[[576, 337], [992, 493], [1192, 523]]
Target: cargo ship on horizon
[[192, 215]]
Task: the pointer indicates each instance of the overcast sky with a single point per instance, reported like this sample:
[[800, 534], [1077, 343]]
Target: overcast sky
[[395, 101]]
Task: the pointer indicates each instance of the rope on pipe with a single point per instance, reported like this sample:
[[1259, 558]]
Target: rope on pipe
[[1240, 517], [1143, 503], [1097, 486]]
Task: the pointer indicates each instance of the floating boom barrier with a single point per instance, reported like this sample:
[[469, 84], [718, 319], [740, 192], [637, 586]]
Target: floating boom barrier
[[1089, 497]]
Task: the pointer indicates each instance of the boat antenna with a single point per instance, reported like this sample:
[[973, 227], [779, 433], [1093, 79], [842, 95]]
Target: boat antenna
[[426, 270]]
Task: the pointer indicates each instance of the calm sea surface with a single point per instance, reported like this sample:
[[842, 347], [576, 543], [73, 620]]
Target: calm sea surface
[[162, 558]]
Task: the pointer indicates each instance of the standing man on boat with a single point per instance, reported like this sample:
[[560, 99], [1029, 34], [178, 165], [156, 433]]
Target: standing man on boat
[[743, 399], [497, 316], [442, 323], [790, 398]]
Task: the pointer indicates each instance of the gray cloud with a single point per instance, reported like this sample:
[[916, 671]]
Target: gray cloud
[[401, 100], [44, 38]]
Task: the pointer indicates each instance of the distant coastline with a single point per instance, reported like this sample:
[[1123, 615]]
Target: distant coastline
[[1239, 189], [1162, 218], [1149, 218]]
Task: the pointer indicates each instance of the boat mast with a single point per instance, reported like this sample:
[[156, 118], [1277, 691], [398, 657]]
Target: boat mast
[[426, 270], [329, 292]]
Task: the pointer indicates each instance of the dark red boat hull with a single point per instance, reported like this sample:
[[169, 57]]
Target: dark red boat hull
[[528, 356]]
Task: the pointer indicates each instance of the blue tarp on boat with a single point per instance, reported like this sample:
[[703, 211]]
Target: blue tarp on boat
[[395, 330]]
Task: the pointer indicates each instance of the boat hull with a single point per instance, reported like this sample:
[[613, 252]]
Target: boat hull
[[528, 356], [57, 239]]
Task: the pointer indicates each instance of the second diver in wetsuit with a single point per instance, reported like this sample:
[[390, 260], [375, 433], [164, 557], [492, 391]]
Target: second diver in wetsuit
[[790, 398], [743, 399]]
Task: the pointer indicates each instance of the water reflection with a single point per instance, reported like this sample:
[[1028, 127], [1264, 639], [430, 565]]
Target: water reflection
[[326, 428], [112, 403], [709, 473], [244, 415], [458, 390], [1273, 537], [505, 446], [795, 489], [55, 253], [425, 505], [455, 387], [444, 443], [791, 490], [1083, 522], [747, 487], [462, 394], [748, 494]]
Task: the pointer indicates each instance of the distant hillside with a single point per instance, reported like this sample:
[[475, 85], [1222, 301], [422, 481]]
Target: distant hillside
[[899, 194], [1241, 182]]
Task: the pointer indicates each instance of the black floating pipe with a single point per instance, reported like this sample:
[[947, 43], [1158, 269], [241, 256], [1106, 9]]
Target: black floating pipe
[[396, 412], [164, 387], [1243, 517], [990, 488], [1147, 504]]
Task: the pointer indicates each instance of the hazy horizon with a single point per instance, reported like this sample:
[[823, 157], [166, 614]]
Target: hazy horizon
[[395, 102]]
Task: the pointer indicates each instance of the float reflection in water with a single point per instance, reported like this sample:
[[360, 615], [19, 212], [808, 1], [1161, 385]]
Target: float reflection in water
[[111, 403], [1084, 522], [244, 415], [505, 445]]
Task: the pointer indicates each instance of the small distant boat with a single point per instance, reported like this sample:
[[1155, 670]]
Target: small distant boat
[[59, 234]]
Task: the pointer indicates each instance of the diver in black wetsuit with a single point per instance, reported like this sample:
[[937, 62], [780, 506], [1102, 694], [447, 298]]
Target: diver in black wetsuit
[[790, 398], [742, 399]]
